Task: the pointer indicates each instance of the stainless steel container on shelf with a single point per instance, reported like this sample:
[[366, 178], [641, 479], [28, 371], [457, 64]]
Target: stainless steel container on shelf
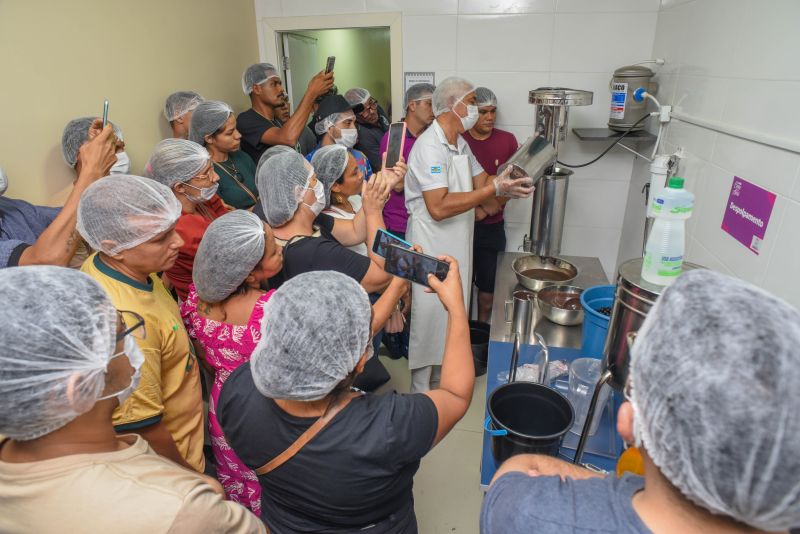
[[634, 299], [625, 111]]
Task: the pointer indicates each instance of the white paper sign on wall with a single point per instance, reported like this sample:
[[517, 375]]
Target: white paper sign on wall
[[413, 78]]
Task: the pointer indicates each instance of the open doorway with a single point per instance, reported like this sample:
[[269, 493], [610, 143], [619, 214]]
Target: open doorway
[[271, 31], [363, 59]]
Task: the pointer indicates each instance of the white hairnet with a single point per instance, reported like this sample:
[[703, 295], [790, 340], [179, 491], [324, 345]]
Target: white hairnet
[[208, 117], [75, 134], [230, 249], [447, 93], [51, 345], [256, 75], [281, 182], [176, 160], [715, 371], [314, 331], [273, 151], [356, 95], [417, 92], [485, 97], [329, 163], [180, 103], [122, 211], [321, 127]]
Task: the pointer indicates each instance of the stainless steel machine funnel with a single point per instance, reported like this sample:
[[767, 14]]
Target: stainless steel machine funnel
[[547, 219], [533, 158]]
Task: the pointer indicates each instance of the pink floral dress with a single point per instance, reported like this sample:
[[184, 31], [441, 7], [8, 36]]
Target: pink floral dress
[[227, 346]]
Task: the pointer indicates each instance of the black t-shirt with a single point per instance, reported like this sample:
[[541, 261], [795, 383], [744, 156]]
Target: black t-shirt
[[252, 126], [307, 141], [305, 254], [357, 471], [369, 140]]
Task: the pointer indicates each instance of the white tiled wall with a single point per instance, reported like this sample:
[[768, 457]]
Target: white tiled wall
[[735, 61], [513, 47]]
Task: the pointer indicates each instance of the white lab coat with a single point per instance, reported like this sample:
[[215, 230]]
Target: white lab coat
[[453, 236]]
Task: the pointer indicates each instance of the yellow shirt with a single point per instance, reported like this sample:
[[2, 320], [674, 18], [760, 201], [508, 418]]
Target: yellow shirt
[[131, 490], [169, 389]]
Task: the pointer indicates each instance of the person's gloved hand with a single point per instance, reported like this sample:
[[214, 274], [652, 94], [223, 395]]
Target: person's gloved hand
[[505, 186]]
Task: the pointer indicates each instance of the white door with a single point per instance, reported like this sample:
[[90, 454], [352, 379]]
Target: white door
[[300, 64]]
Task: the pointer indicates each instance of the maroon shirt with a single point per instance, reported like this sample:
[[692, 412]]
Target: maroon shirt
[[491, 153]]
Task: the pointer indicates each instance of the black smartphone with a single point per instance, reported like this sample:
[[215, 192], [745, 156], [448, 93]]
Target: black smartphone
[[394, 146], [329, 63], [105, 113], [383, 239], [414, 266]]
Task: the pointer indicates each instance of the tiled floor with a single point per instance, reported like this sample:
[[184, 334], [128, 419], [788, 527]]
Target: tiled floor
[[446, 488]]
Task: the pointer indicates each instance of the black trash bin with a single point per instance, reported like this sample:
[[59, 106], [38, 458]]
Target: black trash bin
[[479, 338]]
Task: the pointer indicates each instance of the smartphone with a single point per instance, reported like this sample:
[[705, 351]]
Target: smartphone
[[105, 113], [414, 266], [329, 64], [383, 239], [397, 140]]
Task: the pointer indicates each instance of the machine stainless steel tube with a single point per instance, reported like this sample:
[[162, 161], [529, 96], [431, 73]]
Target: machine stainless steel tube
[[549, 206]]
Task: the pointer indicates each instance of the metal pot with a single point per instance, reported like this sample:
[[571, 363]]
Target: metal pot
[[551, 300], [527, 417], [634, 299], [537, 272]]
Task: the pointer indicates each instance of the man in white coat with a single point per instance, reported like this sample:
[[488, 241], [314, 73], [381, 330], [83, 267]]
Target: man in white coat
[[443, 186]]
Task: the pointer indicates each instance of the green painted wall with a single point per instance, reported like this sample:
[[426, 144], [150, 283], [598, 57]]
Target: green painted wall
[[362, 59]]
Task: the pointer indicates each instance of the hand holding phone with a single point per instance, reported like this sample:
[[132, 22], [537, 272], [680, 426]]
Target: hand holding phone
[[396, 142], [105, 113], [449, 290], [414, 266]]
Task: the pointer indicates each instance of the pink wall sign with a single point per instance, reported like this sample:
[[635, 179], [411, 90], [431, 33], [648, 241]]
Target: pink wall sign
[[747, 213]]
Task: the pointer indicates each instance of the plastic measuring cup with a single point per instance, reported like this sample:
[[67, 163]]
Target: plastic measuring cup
[[583, 376]]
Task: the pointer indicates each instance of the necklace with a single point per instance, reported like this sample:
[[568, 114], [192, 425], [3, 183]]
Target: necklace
[[233, 172], [238, 177]]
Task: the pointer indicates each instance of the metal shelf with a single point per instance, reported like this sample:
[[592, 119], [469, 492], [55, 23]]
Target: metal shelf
[[606, 134]]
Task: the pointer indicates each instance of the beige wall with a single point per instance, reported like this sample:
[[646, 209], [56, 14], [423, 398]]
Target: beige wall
[[60, 59]]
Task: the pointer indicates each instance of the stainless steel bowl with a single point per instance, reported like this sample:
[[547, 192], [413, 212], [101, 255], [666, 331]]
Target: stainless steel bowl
[[554, 301], [537, 272]]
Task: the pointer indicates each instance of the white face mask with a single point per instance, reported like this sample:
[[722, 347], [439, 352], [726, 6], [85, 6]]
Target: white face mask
[[472, 117], [3, 182], [123, 164], [206, 193], [348, 138], [319, 199], [136, 359]]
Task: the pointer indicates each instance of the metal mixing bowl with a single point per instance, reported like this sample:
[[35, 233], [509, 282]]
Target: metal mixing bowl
[[559, 271], [552, 298]]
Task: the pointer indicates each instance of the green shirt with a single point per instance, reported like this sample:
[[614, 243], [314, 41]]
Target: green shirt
[[237, 176]]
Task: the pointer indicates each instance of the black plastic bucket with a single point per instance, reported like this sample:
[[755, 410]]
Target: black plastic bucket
[[479, 338], [525, 417]]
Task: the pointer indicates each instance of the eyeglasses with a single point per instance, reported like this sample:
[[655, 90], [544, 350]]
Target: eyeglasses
[[370, 104], [134, 325], [204, 178]]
